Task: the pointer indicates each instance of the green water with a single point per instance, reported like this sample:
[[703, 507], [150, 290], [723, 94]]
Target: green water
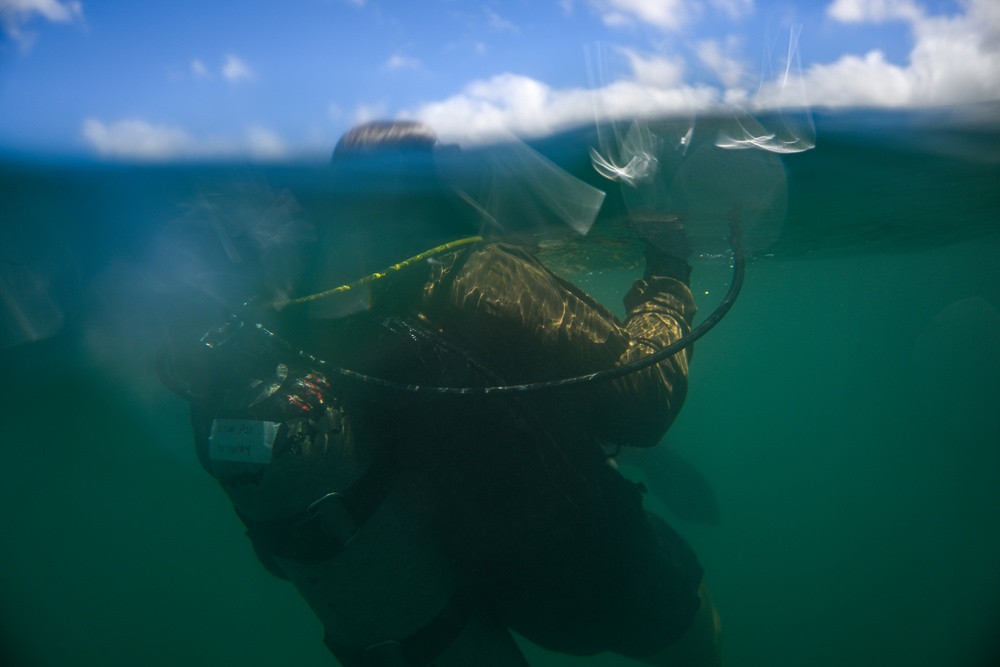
[[844, 416]]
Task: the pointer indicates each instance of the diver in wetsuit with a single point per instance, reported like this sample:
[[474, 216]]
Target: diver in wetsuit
[[420, 527]]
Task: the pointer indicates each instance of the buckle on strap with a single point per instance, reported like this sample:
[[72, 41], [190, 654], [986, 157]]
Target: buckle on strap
[[337, 521], [328, 524]]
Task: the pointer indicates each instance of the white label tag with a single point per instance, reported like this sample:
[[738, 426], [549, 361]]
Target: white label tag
[[242, 440]]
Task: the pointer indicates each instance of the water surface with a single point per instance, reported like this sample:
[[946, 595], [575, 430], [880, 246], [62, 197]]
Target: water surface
[[843, 417]]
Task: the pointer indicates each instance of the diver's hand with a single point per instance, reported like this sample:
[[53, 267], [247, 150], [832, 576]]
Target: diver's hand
[[667, 248]]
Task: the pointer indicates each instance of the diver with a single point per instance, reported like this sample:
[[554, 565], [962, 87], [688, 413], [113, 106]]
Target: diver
[[423, 528]]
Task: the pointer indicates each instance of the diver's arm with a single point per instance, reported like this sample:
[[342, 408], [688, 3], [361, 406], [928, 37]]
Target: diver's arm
[[535, 326], [660, 309]]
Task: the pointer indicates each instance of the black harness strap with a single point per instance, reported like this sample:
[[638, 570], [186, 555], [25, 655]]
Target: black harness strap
[[320, 533], [419, 648]]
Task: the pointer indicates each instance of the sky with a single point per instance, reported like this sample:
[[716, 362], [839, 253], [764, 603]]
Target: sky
[[190, 79]]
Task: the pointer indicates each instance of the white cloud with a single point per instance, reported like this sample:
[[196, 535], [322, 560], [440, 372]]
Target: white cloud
[[198, 68], [655, 71], [720, 60], [665, 14], [954, 60], [668, 15], [487, 110], [135, 139], [869, 80], [874, 11], [14, 14], [957, 59], [499, 23], [263, 143], [400, 61], [366, 112], [734, 9], [235, 69], [53, 10]]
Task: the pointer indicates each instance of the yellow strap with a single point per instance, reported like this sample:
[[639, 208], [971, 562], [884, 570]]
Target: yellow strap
[[439, 250]]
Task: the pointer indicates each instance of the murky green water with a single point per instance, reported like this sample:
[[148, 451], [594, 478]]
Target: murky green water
[[844, 416]]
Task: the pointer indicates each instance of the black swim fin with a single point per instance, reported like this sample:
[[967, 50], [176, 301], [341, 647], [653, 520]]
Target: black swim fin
[[672, 479]]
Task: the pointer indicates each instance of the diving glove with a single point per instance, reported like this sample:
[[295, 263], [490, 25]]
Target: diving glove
[[667, 249]]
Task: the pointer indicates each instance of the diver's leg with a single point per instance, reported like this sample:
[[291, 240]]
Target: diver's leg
[[699, 646]]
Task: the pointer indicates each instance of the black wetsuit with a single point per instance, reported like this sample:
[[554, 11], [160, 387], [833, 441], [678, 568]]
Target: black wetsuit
[[544, 532], [555, 539]]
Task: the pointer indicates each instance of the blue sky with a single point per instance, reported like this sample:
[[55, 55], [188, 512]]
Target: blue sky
[[271, 80]]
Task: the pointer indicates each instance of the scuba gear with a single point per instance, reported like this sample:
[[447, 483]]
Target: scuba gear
[[433, 252], [388, 595], [342, 523], [398, 534], [266, 337], [739, 270], [385, 582], [267, 427]]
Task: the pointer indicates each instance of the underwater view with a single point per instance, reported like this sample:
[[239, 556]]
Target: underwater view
[[836, 464]]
